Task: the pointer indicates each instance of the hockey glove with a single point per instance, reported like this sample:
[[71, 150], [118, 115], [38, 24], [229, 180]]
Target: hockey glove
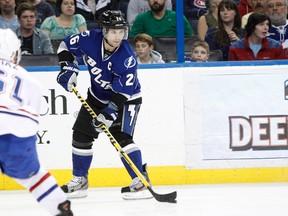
[[67, 78], [106, 117]]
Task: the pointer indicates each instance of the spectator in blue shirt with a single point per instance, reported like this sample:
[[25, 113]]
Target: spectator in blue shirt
[[8, 18], [277, 12], [33, 40]]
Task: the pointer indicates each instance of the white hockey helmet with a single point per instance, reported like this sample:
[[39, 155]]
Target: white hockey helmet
[[9, 46]]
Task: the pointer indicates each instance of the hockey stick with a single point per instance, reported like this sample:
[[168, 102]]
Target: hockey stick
[[170, 197]]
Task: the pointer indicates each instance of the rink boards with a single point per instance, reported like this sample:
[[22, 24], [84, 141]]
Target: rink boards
[[199, 123]]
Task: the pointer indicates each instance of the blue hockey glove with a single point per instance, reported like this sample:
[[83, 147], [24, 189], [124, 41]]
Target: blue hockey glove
[[67, 78], [106, 117]]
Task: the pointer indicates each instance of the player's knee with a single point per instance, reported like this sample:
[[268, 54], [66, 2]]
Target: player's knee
[[123, 139], [32, 180], [82, 145], [82, 141]]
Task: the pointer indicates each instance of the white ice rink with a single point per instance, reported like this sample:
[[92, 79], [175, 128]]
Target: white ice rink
[[193, 200]]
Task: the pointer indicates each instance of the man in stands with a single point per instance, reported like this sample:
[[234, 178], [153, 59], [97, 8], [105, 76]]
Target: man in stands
[[44, 9], [136, 7], [258, 6], [277, 12], [8, 18], [158, 22], [244, 7], [33, 40]]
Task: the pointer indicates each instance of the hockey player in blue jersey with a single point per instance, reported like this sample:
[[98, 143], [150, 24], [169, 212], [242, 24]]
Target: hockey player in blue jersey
[[114, 94], [20, 96]]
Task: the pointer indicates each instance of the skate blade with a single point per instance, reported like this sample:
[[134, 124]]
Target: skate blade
[[139, 195], [77, 194]]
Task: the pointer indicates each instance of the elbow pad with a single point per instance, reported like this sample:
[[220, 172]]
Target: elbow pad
[[65, 56]]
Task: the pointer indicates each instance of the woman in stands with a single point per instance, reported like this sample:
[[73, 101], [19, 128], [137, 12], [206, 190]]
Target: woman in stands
[[229, 28], [208, 20], [67, 23]]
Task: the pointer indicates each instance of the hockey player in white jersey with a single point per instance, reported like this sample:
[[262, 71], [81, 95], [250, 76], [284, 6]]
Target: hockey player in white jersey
[[20, 96], [114, 94]]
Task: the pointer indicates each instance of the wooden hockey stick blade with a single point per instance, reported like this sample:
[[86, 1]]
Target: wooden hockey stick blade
[[170, 197]]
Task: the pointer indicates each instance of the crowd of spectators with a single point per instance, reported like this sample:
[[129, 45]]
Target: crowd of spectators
[[218, 23]]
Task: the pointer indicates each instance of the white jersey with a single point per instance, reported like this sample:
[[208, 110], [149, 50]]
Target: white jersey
[[20, 96]]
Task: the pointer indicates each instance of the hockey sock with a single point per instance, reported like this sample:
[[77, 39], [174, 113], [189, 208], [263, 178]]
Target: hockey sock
[[82, 159], [45, 190], [134, 154]]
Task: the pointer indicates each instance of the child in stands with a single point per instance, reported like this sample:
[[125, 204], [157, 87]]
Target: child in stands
[[200, 52], [143, 45]]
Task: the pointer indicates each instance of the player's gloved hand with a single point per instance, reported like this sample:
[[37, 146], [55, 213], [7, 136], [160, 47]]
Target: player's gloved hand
[[106, 117], [67, 78]]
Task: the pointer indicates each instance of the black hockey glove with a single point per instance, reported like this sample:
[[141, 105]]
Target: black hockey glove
[[67, 78], [106, 117]]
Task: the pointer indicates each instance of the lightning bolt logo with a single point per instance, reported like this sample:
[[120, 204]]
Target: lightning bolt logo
[[130, 62]]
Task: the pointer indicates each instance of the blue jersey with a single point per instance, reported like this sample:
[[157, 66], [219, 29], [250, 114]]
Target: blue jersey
[[279, 33], [115, 73]]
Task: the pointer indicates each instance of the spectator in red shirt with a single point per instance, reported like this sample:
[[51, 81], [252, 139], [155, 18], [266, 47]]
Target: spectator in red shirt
[[256, 45], [245, 7]]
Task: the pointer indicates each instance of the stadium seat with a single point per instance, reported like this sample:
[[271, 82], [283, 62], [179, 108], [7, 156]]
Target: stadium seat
[[130, 41], [215, 55], [55, 45], [194, 25], [39, 60], [91, 24], [168, 48]]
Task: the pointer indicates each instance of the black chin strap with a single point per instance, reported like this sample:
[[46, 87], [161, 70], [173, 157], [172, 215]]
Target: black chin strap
[[109, 43]]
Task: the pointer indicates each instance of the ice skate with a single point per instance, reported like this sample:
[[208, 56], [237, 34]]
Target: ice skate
[[137, 190], [76, 188], [65, 209]]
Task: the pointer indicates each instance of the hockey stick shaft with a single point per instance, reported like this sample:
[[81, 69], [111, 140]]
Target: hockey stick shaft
[[161, 198]]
